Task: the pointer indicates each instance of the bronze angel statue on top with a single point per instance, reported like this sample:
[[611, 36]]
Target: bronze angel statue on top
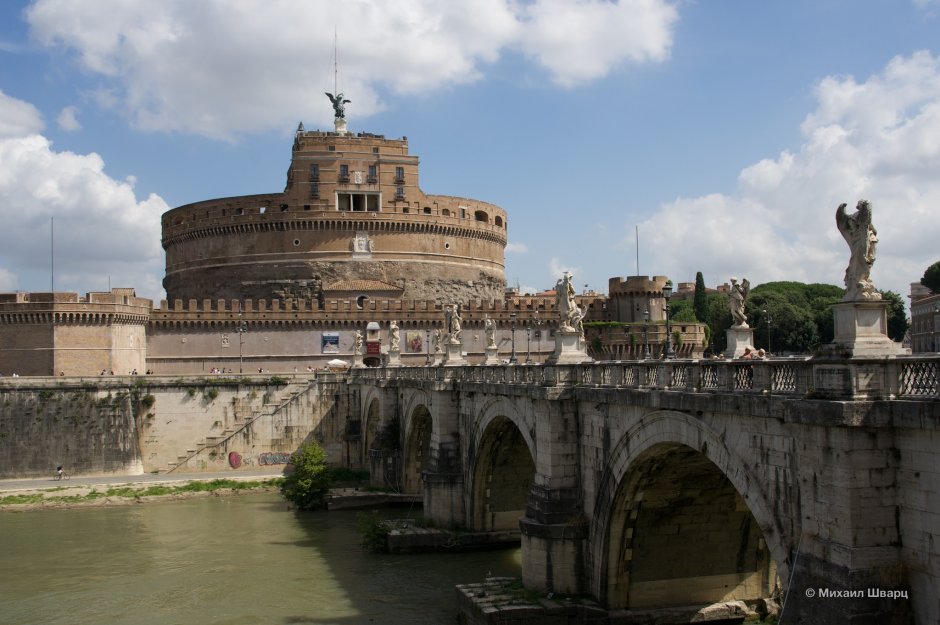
[[338, 104]]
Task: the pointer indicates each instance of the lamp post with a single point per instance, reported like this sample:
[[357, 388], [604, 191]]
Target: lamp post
[[646, 334], [241, 329], [512, 329], [528, 340], [427, 342], [936, 328], [769, 342], [668, 353], [537, 321]]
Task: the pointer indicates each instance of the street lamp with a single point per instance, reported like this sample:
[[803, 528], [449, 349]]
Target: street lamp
[[936, 328], [241, 329], [667, 293], [769, 342], [528, 340], [512, 328], [538, 331], [646, 334], [427, 342]]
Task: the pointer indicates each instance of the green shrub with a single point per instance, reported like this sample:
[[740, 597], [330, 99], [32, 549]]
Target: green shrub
[[310, 482], [374, 531], [147, 400]]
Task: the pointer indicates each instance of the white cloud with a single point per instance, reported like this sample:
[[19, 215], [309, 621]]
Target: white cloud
[[101, 228], [516, 248], [18, 118], [878, 140], [67, 120], [220, 68], [7, 280], [582, 41], [557, 269]]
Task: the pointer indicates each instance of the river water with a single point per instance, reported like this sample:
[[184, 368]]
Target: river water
[[229, 560]]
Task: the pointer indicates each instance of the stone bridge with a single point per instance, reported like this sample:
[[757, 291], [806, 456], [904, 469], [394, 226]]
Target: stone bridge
[[658, 484]]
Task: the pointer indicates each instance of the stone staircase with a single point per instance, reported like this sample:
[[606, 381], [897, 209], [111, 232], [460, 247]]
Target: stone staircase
[[285, 397]]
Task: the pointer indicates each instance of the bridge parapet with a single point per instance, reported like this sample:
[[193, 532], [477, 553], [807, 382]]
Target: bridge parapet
[[856, 378]]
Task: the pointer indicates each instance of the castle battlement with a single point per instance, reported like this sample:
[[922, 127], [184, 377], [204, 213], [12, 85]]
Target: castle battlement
[[637, 285]]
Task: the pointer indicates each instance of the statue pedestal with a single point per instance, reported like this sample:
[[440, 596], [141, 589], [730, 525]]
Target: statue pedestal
[[340, 123], [357, 361], [568, 349], [453, 357], [861, 331], [394, 358], [491, 356], [739, 337]]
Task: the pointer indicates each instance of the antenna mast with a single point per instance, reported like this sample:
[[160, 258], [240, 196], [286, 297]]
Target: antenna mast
[[335, 63], [637, 249]]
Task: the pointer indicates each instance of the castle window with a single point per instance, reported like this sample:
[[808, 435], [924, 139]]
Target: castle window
[[399, 175], [481, 216], [239, 211], [344, 173], [357, 202], [314, 190], [372, 174], [427, 210], [399, 193], [314, 172], [463, 212], [445, 212], [283, 208], [332, 148], [498, 221]]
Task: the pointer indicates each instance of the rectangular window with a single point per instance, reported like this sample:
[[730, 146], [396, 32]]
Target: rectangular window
[[399, 175], [344, 173], [372, 174], [357, 202], [314, 172], [399, 193], [314, 190]]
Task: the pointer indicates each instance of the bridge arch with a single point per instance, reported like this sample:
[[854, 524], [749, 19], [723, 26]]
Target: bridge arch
[[502, 466], [416, 443], [678, 522], [371, 419]]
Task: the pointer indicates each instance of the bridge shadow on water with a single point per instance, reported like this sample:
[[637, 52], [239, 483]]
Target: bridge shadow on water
[[350, 585]]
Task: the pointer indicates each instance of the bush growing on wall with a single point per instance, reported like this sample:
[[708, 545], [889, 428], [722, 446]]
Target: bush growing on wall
[[308, 485]]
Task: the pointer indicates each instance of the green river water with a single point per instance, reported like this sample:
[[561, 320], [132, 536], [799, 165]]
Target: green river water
[[220, 560]]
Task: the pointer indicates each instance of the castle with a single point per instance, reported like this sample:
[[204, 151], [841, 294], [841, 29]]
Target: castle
[[281, 282]]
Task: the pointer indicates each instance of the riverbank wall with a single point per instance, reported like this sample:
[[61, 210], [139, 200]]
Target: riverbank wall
[[132, 425]]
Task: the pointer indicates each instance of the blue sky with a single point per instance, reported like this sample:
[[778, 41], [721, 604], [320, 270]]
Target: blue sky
[[727, 132]]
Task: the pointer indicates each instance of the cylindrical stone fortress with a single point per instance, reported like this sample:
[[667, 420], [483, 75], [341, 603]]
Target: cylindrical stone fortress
[[351, 218]]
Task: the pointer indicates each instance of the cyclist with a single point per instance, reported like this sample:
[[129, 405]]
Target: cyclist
[[58, 472]]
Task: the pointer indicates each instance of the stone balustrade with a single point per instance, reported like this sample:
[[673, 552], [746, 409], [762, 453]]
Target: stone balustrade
[[876, 378]]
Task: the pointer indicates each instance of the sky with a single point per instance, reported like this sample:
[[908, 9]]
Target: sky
[[723, 134]]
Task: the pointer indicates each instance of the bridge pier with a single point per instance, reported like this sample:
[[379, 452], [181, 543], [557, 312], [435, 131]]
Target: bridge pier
[[444, 499], [554, 529]]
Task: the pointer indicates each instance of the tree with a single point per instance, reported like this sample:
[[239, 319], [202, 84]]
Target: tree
[[681, 310], [931, 278], [701, 297], [897, 315], [310, 482], [800, 315]]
